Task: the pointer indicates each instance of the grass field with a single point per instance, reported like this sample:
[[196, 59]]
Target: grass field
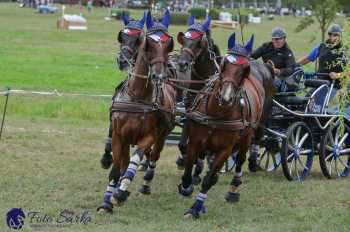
[[51, 146]]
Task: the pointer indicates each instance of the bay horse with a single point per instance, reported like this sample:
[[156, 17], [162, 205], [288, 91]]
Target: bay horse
[[129, 38], [199, 56], [226, 116], [142, 112]]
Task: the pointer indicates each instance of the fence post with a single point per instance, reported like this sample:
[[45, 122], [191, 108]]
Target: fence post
[[7, 94]]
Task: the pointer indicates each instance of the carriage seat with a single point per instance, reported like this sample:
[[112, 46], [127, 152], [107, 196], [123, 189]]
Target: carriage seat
[[289, 98], [315, 83]]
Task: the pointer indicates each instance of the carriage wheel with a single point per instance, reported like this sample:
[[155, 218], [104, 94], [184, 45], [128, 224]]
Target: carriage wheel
[[297, 152], [269, 160], [335, 152]]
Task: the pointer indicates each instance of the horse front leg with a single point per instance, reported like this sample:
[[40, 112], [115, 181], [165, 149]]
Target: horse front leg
[[232, 195], [107, 206], [209, 180], [122, 193]]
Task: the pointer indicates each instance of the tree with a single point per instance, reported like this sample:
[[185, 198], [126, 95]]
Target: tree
[[324, 13]]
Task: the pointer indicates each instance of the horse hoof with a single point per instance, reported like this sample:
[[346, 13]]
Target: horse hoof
[[106, 160], [186, 192], [196, 180], [180, 162], [232, 197], [145, 189], [119, 197], [105, 209], [191, 214]]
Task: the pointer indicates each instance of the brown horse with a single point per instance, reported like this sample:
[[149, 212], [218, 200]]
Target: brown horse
[[226, 116], [199, 56], [129, 38], [142, 112]]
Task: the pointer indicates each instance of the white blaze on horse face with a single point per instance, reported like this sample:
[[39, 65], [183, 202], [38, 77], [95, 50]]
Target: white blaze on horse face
[[227, 93]]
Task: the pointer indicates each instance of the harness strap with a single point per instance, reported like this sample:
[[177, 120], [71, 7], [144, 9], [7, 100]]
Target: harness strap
[[217, 123]]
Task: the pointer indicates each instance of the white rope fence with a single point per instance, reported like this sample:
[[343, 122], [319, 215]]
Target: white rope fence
[[53, 93]]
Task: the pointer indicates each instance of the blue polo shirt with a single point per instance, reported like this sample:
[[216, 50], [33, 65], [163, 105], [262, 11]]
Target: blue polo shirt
[[313, 54]]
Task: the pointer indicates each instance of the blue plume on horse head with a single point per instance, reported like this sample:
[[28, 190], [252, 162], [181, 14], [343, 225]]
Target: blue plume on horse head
[[149, 20], [141, 22], [206, 24], [190, 20], [166, 19], [125, 18], [249, 44], [231, 43]]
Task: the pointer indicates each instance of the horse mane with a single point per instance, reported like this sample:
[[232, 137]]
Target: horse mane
[[212, 46]]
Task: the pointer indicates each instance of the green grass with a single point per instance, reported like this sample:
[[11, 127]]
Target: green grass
[[51, 145]]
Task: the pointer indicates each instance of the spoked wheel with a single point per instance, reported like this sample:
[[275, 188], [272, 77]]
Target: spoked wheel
[[297, 152], [335, 152], [269, 160]]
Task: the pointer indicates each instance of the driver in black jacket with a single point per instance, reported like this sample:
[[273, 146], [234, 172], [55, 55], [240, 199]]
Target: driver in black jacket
[[280, 56]]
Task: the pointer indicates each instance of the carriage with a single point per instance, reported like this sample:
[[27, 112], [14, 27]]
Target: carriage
[[301, 127]]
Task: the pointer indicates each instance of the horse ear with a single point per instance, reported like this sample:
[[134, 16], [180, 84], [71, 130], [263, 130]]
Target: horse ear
[[206, 24], [166, 19], [249, 45], [231, 43], [125, 18], [149, 20], [180, 38], [142, 20], [190, 20]]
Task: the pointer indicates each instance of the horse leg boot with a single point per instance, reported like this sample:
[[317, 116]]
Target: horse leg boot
[[106, 159], [107, 205], [209, 180], [122, 193], [232, 195], [186, 187]]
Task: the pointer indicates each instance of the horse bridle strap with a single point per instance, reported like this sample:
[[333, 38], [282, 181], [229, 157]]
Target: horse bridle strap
[[138, 75], [189, 51], [157, 60]]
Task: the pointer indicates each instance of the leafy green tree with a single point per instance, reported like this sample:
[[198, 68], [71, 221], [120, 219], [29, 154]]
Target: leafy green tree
[[324, 13]]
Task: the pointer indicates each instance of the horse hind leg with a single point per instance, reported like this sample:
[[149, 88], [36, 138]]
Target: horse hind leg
[[154, 157], [254, 151], [196, 179], [209, 180], [232, 195], [180, 161]]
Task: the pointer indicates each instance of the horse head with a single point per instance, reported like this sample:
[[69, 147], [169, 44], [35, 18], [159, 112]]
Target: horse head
[[130, 39], [157, 45], [193, 42], [234, 69]]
